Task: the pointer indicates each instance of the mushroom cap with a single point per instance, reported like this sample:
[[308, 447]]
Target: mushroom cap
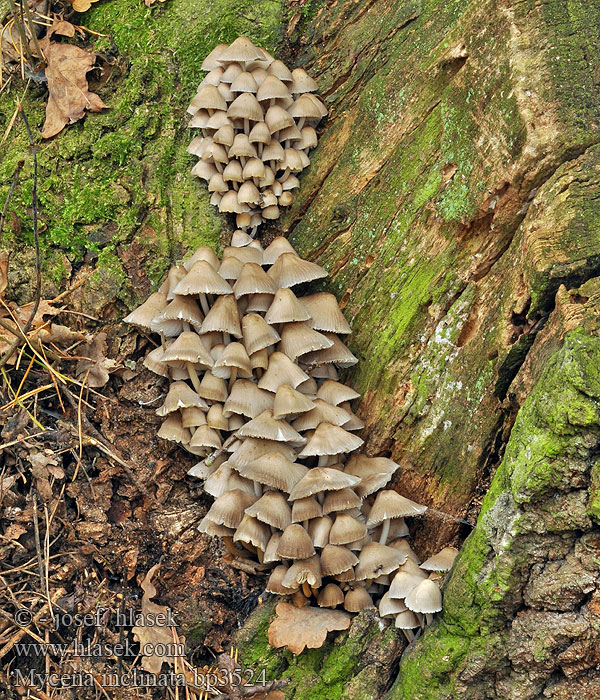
[[254, 168], [322, 479], [172, 429], [204, 170], [306, 509], [403, 583], [335, 559], [252, 449], [390, 607], [224, 135], [290, 270], [248, 193], [295, 543], [241, 50], [153, 362], [253, 531], [354, 422], [277, 118], [390, 504], [207, 527], [205, 436], [304, 571], [275, 585], [442, 561], [270, 555], [257, 333], [402, 546], [239, 239], [331, 596], [246, 254], [286, 199], [330, 439], [215, 418], [245, 106], [180, 395], [232, 172], [270, 212], [234, 356], [302, 82], [217, 184], [297, 338], [309, 137], [281, 370], [289, 402], [279, 69], [208, 97], [319, 529], [193, 416], [258, 302], [305, 107], [243, 82], [274, 470], [272, 88], [202, 278], [346, 529], [253, 280], [344, 499], [336, 393], [188, 347], [358, 599], [228, 509], [210, 62], [325, 313], [272, 508], [337, 353], [143, 315], [223, 317], [213, 388], [259, 133], [377, 559], [180, 310], [242, 147], [230, 73], [230, 268], [322, 412], [267, 427], [286, 308], [406, 620], [247, 399], [273, 151], [425, 597]]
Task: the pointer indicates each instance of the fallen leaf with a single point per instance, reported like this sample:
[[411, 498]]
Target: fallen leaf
[[69, 96], [98, 366], [297, 628], [82, 5], [4, 256], [153, 634]]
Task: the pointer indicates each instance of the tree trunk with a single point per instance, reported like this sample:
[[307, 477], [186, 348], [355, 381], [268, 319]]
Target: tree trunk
[[453, 198]]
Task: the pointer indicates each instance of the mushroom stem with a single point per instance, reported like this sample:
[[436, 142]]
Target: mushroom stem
[[301, 123], [257, 488], [233, 377], [226, 338], [428, 618], [260, 555], [306, 589], [305, 524], [204, 304], [246, 126], [409, 634], [193, 376], [228, 542], [323, 459], [321, 497], [385, 531]]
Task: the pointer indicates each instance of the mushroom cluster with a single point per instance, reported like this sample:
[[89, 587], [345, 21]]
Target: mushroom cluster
[[258, 123], [254, 392]]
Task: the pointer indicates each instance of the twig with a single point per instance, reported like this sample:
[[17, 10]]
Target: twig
[[11, 190], [38, 271], [25, 6]]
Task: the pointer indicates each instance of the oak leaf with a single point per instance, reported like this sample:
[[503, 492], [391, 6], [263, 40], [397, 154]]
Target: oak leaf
[[297, 628]]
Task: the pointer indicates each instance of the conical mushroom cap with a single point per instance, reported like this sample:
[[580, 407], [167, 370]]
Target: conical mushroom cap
[[289, 402], [213, 388], [322, 479], [331, 440], [358, 599], [425, 598], [286, 308], [442, 561], [203, 279], [346, 529], [377, 559], [244, 82], [224, 135], [319, 529], [245, 106], [239, 239], [239, 51], [275, 582], [188, 347], [208, 97], [204, 436], [390, 607], [210, 62], [390, 504], [298, 339], [277, 118], [181, 310], [304, 571], [265, 426], [331, 596], [272, 508], [271, 550], [252, 449], [257, 333], [322, 412], [253, 280], [403, 583], [224, 479], [406, 620], [180, 396], [281, 370], [254, 532], [337, 353], [273, 151], [246, 399], [335, 560], [402, 546], [215, 418], [325, 313], [228, 509], [224, 317], [279, 69], [344, 499], [306, 509], [295, 543], [272, 88], [172, 429], [247, 254], [375, 472], [234, 357], [143, 315], [232, 172], [274, 470], [153, 362], [304, 107], [203, 253], [193, 416], [259, 133], [336, 393], [289, 270]]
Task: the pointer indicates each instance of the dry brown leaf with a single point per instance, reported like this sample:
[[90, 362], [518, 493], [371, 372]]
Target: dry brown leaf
[[153, 634], [297, 628], [98, 366], [82, 5], [60, 335], [4, 256], [45, 308], [69, 96]]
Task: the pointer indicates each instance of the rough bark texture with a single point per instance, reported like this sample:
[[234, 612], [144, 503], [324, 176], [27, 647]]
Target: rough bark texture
[[454, 200]]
